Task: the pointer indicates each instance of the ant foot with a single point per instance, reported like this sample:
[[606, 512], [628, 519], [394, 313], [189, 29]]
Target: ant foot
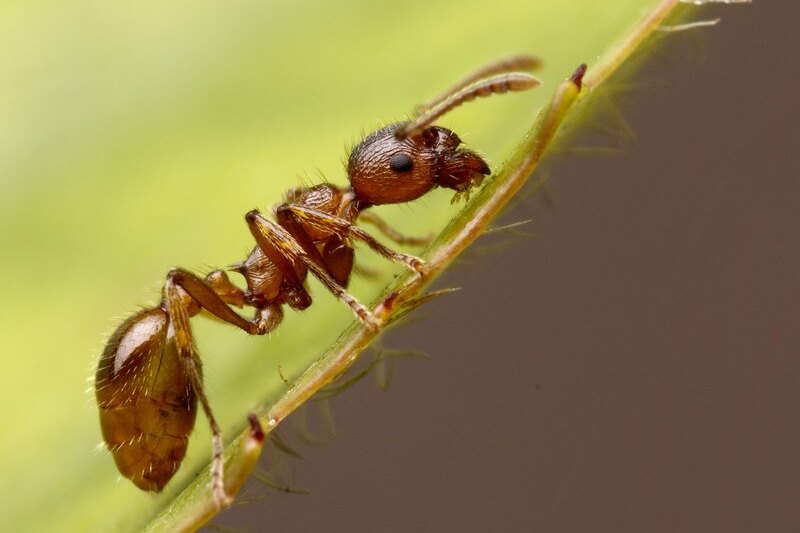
[[221, 498], [369, 320], [414, 263]]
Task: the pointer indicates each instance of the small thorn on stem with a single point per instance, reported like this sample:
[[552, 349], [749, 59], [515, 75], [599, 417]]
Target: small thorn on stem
[[388, 302], [387, 305], [256, 431], [577, 76]]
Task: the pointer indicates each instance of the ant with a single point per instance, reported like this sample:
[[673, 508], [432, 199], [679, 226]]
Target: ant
[[149, 377]]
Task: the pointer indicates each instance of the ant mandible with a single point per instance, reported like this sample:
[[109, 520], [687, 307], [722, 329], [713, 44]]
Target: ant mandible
[[149, 377]]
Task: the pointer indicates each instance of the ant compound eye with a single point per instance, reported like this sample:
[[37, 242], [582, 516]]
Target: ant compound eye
[[401, 162]]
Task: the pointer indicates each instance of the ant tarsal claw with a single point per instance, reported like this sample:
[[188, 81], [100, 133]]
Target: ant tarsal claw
[[416, 264], [412, 262], [370, 320], [221, 498]]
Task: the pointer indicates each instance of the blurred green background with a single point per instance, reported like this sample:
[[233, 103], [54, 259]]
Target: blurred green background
[[134, 137]]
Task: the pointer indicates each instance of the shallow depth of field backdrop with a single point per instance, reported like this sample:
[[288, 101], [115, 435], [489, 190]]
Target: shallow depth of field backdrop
[[632, 367]]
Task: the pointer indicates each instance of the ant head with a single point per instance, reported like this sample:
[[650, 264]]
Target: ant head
[[401, 162], [390, 167]]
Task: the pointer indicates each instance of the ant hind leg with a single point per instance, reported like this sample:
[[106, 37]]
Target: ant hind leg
[[190, 361], [213, 294], [207, 295]]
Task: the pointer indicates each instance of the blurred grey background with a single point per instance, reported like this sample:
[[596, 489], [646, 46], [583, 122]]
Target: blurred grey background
[[634, 365]]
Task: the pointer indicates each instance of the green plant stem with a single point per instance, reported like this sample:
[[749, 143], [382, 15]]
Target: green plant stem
[[241, 458], [625, 47]]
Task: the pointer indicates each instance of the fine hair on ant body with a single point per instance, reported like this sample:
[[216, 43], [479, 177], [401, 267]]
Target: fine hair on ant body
[[149, 377]]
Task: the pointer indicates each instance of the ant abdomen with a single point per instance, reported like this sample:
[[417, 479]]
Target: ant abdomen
[[147, 404]]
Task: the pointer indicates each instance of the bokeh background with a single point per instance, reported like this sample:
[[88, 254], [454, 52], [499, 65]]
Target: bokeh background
[[631, 365]]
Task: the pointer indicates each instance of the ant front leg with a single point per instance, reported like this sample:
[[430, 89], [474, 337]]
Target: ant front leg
[[272, 238], [314, 218]]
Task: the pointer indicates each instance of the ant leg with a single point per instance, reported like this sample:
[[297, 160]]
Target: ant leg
[[329, 223], [202, 292], [205, 294], [272, 236], [403, 240], [338, 256], [507, 64], [268, 317], [498, 84], [189, 359], [289, 267], [220, 283]]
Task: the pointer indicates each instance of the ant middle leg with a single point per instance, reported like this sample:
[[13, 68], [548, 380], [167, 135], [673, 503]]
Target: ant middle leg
[[320, 220], [220, 283], [272, 238]]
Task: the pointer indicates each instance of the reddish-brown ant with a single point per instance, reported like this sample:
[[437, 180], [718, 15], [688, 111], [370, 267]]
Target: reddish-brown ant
[[149, 377]]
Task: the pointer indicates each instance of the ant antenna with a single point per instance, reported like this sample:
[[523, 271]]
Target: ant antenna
[[517, 63], [501, 83]]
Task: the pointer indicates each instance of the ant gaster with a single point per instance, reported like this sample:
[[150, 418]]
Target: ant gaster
[[149, 378]]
